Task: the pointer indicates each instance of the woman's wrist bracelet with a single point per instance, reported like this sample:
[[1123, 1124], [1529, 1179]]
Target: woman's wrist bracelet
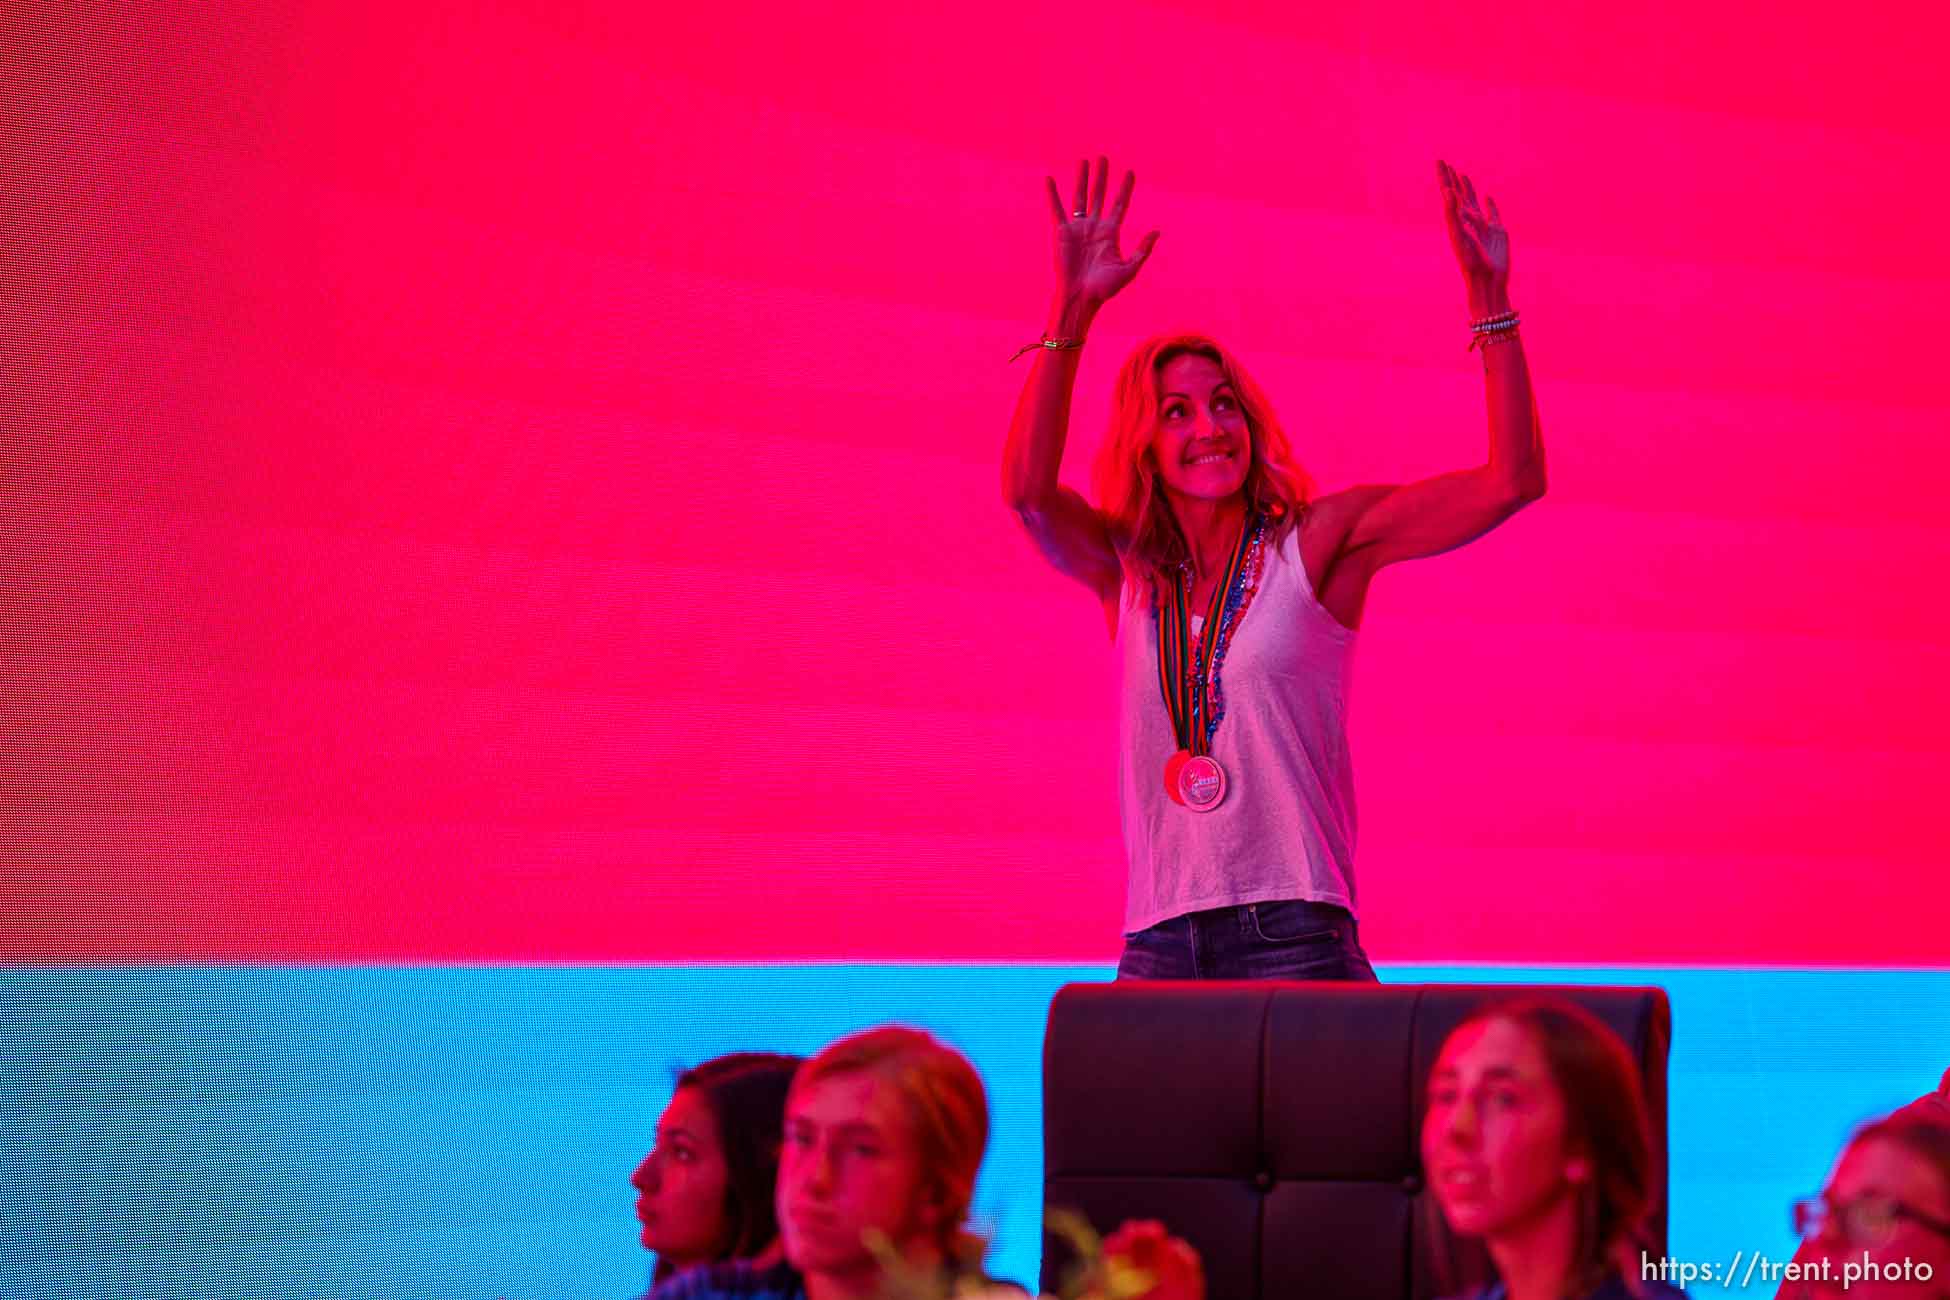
[[1500, 328], [1054, 345]]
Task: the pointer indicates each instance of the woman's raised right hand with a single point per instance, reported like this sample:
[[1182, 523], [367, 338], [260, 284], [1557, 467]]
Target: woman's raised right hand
[[1089, 268]]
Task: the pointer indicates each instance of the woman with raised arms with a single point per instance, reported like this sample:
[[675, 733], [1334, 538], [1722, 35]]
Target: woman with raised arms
[[1233, 592]]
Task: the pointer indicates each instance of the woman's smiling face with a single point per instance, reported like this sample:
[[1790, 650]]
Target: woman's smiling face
[[1202, 445]]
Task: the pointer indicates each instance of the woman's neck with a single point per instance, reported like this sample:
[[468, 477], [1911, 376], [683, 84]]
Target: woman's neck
[[1211, 528], [1535, 1259]]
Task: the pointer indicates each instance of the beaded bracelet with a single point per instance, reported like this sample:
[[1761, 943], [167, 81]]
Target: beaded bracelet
[[1054, 345], [1493, 329]]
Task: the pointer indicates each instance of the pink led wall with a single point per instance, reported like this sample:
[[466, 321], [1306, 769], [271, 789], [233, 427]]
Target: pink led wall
[[524, 484]]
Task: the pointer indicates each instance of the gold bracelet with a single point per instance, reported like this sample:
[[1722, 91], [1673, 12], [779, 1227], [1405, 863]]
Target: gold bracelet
[[1054, 345]]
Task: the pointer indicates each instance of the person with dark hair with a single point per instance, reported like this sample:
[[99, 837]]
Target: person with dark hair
[[1880, 1230], [1232, 593], [884, 1134], [705, 1189], [1535, 1140]]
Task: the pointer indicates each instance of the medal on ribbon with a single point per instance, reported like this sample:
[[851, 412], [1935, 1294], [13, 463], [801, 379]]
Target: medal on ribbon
[[1193, 777]]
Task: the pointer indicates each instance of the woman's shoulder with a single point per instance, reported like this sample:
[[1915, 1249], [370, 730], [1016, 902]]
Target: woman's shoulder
[[1325, 521], [1317, 531]]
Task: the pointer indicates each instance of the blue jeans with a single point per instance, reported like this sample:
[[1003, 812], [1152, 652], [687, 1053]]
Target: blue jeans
[[1290, 939]]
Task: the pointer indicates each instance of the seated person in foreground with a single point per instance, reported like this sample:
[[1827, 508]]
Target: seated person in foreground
[[884, 1137], [1880, 1230], [704, 1193], [1931, 1105], [1535, 1140], [884, 1134]]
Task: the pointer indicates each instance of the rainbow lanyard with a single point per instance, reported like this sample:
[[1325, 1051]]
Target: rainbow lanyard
[[1185, 692]]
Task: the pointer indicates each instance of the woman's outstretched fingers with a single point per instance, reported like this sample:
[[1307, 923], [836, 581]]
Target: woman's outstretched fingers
[[1089, 266], [1118, 208], [1451, 189], [1055, 202]]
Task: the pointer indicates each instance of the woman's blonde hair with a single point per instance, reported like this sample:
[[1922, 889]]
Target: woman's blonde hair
[[944, 1098], [1126, 479]]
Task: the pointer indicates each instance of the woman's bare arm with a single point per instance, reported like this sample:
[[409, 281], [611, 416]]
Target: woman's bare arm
[[1441, 513], [1065, 528], [1069, 533]]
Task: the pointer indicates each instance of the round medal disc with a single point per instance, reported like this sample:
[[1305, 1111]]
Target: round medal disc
[[1201, 783], [1173, 766]]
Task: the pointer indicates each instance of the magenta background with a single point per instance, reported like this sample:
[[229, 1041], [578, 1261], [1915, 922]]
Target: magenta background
[[523, 484]]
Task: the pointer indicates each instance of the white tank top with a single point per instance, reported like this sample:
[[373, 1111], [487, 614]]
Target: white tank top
[[1286, 827]]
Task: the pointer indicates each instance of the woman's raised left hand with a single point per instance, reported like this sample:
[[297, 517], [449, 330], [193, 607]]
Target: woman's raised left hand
[[1476, 233]]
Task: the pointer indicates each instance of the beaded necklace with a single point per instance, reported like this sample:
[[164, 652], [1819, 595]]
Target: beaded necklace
[[1238, 597]]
